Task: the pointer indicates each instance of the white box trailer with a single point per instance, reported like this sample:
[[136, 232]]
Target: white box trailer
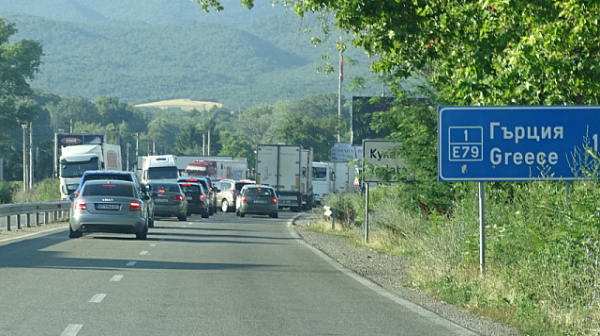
[[345, 177], [306, 179], [77, 159], [279, 166]]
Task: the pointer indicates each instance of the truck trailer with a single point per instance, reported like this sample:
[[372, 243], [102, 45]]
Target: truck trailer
[[76, 160], [280, 167]]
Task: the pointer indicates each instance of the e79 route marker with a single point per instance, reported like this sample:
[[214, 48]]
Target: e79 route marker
[[515, 143]]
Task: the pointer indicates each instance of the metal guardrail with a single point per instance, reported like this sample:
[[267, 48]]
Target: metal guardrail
[[48, 211]]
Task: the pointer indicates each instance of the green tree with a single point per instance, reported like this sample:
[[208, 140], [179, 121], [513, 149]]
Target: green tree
[[19, 62], [72, 109], [253, 123], [231, 145], [188, 141]]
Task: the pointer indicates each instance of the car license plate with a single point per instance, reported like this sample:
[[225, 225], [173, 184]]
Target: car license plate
[[189, 198], [260, 202], [161, 200], [104, 206]]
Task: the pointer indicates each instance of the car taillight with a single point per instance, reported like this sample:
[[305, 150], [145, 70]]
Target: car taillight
[[202, 197], [232, 192], [80, 205], [135, 206], [76, 193], [274, 200], [177, 197], [244, 198]]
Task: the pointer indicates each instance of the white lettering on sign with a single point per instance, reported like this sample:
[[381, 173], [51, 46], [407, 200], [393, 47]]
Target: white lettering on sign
[[497, 157], [519, 133]]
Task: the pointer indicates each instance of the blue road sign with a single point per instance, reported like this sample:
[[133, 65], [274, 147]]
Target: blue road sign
[[516, 143]]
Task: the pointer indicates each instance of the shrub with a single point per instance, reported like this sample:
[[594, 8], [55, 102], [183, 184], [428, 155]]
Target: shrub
[[347, 207]]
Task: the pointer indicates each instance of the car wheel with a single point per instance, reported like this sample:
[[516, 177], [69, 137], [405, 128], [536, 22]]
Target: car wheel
[[274, 215], [74, 234], [237, 213], [142, 235], [205, 213], [182, 217], [150, 222], [225, 206], [242, 214]]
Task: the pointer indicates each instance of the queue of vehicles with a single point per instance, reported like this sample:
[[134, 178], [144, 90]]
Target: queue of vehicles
[[103, 195]]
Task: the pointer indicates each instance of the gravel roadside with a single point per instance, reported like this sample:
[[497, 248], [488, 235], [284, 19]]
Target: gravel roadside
[[388, 272]]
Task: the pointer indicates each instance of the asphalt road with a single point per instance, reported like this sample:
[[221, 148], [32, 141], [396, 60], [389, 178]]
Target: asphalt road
[[219, 276]]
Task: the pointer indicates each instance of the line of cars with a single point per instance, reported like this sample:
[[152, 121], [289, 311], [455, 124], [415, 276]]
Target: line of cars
[[116, 201]]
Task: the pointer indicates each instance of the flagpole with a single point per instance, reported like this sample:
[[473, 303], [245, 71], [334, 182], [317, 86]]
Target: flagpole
[[341, 79]]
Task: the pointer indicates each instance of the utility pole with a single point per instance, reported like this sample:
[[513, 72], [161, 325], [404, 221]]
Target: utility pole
[[31, 155], [341, 79], [25, 170]]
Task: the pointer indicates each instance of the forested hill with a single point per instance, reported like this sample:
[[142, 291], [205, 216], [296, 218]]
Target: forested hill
[[156, 12], [267, 60]]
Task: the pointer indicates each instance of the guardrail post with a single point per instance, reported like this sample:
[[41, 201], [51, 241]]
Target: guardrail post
[[28, 220], [19, 222], [37, 219], [46, 217], [7, 223]]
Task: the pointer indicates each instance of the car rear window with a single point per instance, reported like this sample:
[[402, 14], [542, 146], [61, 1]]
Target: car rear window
[[240, 185], [119, 177], [162, 188], [259, 192], [190, 188], [108, 189]]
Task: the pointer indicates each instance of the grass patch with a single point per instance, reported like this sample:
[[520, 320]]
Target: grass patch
[[542, 251]]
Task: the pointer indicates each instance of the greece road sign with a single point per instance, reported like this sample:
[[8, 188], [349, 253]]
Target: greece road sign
[[516, 143], [381, 164]]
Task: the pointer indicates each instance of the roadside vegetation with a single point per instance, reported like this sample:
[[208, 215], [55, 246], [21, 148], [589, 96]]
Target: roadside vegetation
[[542, 251], [46, 191]]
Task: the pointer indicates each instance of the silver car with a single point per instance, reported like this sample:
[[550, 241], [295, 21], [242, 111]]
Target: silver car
[[109, 206], [258, 200]]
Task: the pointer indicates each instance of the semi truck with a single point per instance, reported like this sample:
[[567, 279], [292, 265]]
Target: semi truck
[[288, 169], [323, 180], [306, 179], [235, 169], [158, 168], [77, 159]]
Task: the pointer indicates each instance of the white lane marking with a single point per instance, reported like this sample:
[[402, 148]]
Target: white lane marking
[[131, 263], [144, 253], [71, 330], [152, 245], [98, 298], [33, 234], [428, 314], [116, 278]]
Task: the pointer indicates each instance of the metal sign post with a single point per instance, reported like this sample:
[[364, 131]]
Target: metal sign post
[[378, 156]]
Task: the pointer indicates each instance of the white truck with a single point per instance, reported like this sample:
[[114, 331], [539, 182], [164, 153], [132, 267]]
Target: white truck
[[279, 166], [323, 180], [306, 179], [235, 169], [76, 160], [158, 168]]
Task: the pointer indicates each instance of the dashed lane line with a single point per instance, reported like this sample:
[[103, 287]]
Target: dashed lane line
[[97, 298], [72, 330]]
